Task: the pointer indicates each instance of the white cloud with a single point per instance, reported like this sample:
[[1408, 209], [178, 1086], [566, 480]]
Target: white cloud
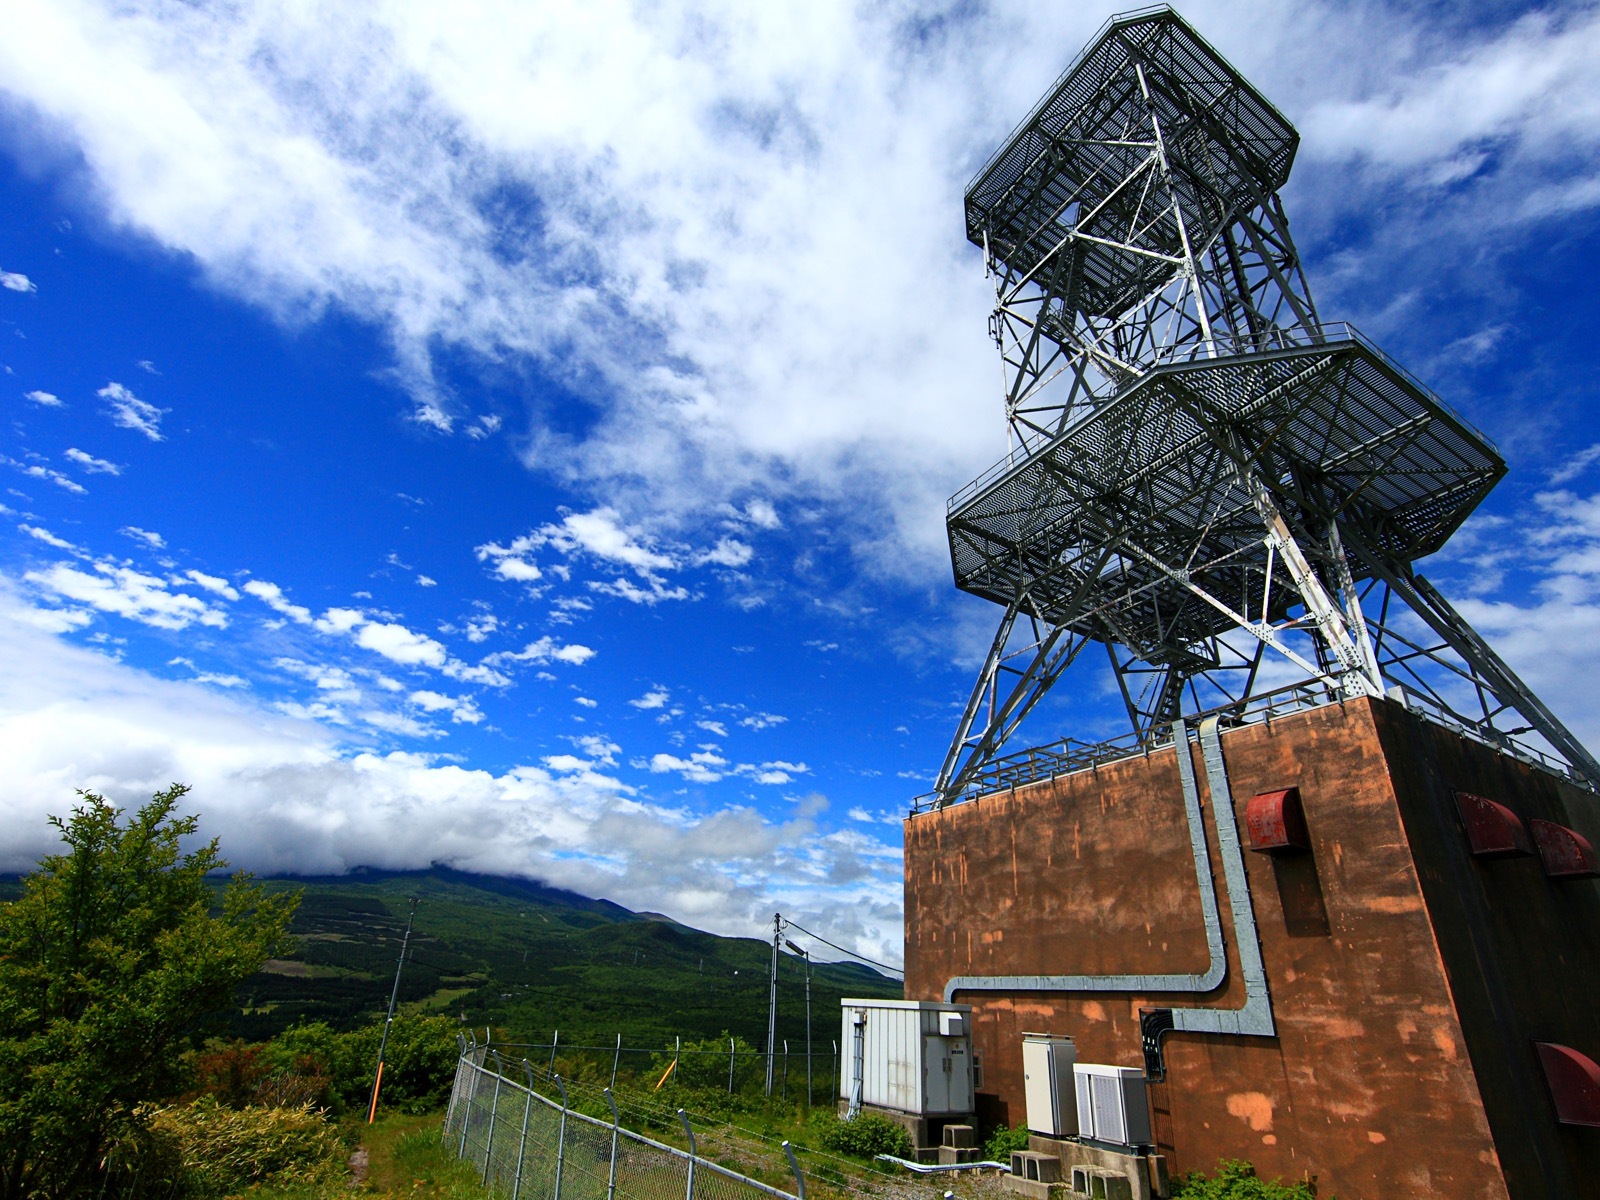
[[427, 581], [654, 591], [517, 570], [484, 426], [713, 727], [130, 412], [213, 584], [47, 399], [14, 282], [48, 538], [703, 766], [284, 795], [95, 466], [272, 596], [339, 620], [694, 178], [728, 552], [544, 649], [153, 540], [655, 698], [399, 644], [462, 709], [586, 702], [481, 625], [762, 720], [762, 514], [128, 593], [40, 471]]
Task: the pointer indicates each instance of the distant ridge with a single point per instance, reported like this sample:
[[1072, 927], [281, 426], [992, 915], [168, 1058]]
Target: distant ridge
[[515, 887]]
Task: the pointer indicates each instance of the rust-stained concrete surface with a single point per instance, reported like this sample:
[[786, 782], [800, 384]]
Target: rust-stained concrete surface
[[1408, 980]]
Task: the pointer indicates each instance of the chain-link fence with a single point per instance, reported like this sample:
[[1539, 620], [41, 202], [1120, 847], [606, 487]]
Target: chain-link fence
[[727, 1064], [529, 1147]]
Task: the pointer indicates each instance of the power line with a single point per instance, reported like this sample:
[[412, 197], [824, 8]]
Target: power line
[[859, 957]]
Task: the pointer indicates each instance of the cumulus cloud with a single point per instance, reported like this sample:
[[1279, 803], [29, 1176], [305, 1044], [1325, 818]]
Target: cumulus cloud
[[284, 794], [128, 593], [48, 538], [153, 540], [35, 470], [130, 412], [13, 281], [654, 698], [212, 583], [272, 596], [47, 399], [95, 466], [544, 649]]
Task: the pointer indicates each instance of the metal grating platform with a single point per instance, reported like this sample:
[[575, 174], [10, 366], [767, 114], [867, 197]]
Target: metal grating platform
[[1093, 524], [1066, 168]]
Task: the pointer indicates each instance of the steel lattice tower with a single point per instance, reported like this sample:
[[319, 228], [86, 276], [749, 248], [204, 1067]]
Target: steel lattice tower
[[1201, 469]]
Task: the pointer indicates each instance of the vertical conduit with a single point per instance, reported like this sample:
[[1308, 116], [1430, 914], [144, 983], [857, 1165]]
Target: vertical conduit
[[1254, 1019]]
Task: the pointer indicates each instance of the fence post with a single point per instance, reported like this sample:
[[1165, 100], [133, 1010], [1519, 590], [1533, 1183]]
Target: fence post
[[785, 1068], [522, 1143], [554, 1042], [615, 1060], [616, 1130], [561, 1139], [466, 1116], [730, 1066], [684, 1117], [799, 1179], [494, 1111], [677, 1053], [833, 1075]]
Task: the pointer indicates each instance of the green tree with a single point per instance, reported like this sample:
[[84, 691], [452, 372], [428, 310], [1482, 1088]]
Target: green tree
[[107, 962]]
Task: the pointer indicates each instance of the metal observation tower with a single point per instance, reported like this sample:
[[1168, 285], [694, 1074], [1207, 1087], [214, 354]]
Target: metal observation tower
[[1226, 492]]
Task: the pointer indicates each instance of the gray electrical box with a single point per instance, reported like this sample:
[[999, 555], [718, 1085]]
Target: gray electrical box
[[1047, 1062]]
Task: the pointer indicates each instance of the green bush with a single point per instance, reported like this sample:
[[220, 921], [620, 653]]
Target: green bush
[[419, 1064], [1237, 1180], [866, 1135], [1003, 1141]]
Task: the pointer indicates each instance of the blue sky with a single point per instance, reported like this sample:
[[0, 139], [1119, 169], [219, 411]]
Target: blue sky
[[518, 438]]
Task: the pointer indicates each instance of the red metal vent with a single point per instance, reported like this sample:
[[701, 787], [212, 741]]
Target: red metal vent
[[1574, 1081], [1565, 853], [1493, 830], [1276, 822]]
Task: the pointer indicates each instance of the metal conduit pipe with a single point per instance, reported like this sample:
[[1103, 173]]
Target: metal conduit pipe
[[1254, 1019], [1208, 980]]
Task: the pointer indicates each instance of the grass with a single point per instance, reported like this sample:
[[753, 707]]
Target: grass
[[406, 1160]]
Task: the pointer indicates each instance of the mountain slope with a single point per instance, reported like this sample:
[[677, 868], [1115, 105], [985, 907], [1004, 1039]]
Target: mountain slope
[[529, 960]]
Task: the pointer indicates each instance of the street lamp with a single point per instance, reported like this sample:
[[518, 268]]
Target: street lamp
[[805, 954]]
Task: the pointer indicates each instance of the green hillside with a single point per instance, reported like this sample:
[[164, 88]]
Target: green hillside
[[529, 960]]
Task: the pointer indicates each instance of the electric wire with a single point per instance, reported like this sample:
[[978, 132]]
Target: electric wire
[[858, 957]]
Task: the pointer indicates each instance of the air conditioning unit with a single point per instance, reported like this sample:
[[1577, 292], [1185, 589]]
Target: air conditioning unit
[[1047, 1083], [1111, 1104]]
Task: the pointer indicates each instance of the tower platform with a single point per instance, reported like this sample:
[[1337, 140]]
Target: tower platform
[[1410, 980]]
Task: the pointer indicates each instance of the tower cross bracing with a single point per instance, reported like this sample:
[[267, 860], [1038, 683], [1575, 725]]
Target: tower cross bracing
[[1202, 473]]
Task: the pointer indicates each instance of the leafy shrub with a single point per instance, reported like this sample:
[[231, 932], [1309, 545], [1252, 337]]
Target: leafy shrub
[[866, 1135], [1237, 1180], [1003, 1141], [312, 1062]]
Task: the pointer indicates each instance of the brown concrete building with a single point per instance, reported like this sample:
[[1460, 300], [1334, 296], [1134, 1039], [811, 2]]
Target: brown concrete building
[[1409, 979]]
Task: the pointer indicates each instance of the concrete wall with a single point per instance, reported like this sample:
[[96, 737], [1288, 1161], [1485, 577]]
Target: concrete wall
[[1370, 1084]]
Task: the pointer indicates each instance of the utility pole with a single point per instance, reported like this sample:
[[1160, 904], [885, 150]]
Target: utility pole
[[806, 954], [772, 997], [394, 995]]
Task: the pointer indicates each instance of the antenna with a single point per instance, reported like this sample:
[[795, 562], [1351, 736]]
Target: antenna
[[1201, 470]]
